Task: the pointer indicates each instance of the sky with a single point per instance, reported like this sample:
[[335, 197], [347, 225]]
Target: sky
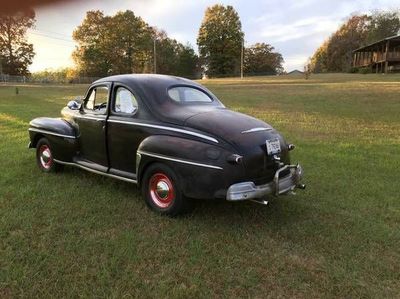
[[295, 28]]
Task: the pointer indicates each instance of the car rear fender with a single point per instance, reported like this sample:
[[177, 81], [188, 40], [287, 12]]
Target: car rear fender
[[195, 163]]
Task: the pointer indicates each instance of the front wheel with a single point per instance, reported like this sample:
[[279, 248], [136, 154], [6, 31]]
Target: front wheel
[[161, 191], [44, 157]]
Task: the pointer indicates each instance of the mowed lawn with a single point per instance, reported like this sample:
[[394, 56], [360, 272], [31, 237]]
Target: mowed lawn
[[76, 234]]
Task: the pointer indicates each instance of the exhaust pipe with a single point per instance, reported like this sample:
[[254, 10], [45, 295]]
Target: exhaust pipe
[[260, 201], [301, 186]]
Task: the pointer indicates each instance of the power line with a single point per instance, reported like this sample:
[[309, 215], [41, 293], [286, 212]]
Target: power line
[[52, 37], [50, 32]]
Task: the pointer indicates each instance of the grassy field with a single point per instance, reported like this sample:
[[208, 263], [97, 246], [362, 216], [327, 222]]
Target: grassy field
[[76, 234]]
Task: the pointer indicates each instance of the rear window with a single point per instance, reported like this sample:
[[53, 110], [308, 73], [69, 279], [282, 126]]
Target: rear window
[[185, 94]]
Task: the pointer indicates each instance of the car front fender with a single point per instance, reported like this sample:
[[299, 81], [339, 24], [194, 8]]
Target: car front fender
[[60, 133]]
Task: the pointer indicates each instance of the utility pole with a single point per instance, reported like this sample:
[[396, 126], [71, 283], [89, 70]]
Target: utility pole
[[1, 69], [241, 60], [154, 56]]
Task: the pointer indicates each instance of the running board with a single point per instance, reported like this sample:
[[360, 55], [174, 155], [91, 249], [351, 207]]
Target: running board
[[96, 171]]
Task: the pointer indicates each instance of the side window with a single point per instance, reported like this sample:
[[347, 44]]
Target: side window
[[186, 94], [97, 100], [125, 101], [90, 102]]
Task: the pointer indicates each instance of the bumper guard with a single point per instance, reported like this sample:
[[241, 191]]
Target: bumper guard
[[278, 186]]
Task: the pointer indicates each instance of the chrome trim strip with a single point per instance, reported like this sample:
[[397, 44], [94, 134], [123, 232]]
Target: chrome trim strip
[[165, 128], [101, 118], [178, 160], [96, 171], [51, 133], [256, 130]]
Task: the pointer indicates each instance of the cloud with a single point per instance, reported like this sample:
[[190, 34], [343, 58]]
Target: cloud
[[299, 29]]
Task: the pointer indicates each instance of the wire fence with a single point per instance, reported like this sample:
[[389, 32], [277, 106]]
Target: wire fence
[[54, 79], [4, 78]]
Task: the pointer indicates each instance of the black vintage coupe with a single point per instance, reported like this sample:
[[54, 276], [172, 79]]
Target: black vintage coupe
[[172, 137]]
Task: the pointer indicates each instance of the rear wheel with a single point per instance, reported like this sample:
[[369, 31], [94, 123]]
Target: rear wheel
[[44, 157], [161, 191]]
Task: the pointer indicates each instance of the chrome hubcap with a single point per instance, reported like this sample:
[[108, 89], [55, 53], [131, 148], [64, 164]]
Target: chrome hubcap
[[162, 189], [45, 157]]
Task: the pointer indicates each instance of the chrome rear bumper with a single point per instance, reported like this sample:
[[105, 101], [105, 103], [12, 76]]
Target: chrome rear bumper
[[278, 186]]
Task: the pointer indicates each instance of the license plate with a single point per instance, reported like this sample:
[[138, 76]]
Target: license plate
[[273, 146]]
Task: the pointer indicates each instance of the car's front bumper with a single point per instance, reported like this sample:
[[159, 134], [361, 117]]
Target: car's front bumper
[[248, 190]]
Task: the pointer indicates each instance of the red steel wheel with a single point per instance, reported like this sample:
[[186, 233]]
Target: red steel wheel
[[161, 190], [45, 156]]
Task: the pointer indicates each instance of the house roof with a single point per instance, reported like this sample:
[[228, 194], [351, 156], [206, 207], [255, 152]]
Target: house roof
[[295, 72], [395, 37]]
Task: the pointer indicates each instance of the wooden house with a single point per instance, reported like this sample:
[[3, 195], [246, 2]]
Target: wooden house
[[381, 57]]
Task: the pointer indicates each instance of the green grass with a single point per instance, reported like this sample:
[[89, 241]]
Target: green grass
[[76, 234]]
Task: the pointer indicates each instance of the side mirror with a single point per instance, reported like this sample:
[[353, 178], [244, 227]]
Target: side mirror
[[74, 105]]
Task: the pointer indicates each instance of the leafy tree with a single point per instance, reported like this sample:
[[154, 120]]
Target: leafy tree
[[16, 53], [91, 55], [318, 62], [166, 53], [383, 24], [130, 43], [260, 58], [188, 62], [350, 36], [174, 58], [123, 43], [220, 41], [113, 45]]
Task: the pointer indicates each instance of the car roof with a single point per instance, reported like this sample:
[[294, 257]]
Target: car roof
[[145, 79], [152, 89]]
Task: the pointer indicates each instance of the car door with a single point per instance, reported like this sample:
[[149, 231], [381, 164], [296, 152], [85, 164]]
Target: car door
[[92, 128], [123, 133]]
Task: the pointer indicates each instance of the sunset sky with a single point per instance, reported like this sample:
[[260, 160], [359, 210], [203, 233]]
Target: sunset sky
[[294, 28]]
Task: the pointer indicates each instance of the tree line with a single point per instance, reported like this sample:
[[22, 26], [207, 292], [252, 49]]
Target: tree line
[[335, 54], [125, 43]]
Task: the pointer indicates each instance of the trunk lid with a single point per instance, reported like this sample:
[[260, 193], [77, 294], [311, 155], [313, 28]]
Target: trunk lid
[[248, 136]]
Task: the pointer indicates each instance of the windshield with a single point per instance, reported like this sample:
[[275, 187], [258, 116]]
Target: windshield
[[186, 94]]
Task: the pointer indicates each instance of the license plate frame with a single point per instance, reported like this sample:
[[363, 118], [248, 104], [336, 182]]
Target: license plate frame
[[273, 146]]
